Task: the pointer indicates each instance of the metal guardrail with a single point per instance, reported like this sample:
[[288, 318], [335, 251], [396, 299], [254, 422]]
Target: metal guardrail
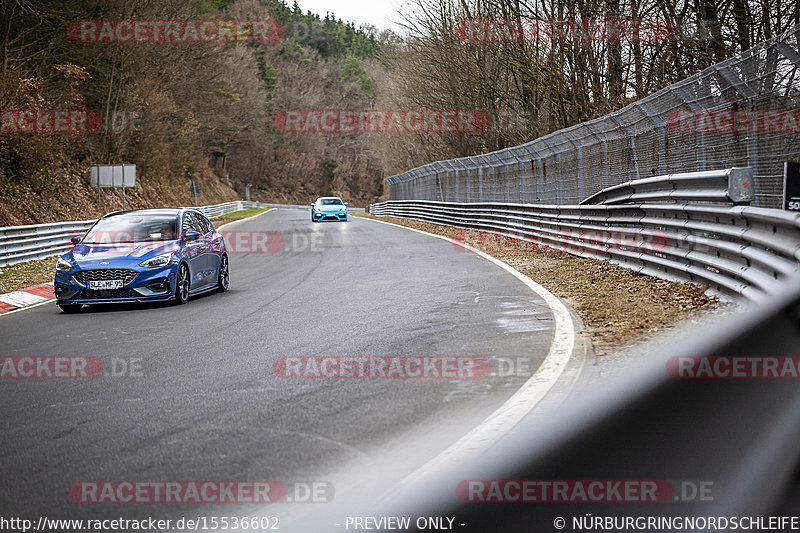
[[738, 252], [19, 244], [213, 211], [26, 243], [732, 186]]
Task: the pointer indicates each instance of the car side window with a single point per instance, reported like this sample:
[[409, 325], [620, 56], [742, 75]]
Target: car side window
[[208, 224], [188, 223], [201, 223]]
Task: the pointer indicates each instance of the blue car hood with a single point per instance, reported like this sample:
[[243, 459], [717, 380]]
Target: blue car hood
[[90, 253]]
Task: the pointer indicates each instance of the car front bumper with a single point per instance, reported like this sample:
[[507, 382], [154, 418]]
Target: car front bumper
[[152, 284], [341, 216]]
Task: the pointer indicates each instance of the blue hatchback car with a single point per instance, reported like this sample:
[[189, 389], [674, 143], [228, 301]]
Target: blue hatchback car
[[142, 256]]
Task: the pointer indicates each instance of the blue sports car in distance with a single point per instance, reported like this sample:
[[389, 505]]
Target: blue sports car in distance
[[328, 208], [142, 256]]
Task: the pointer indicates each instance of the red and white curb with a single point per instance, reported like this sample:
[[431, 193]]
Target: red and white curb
[[26, 297]]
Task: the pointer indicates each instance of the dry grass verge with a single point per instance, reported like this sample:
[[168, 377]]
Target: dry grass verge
[[236, 216], [24, 275]]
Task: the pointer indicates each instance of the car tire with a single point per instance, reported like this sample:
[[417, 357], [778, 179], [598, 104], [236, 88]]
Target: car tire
[[223, 277], [182, 285], [70, 309]]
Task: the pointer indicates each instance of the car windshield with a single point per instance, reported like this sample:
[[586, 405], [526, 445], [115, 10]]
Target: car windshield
[[133, 229], [329, 201]]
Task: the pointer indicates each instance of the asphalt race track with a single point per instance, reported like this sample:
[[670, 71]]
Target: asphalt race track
[[189, 392]]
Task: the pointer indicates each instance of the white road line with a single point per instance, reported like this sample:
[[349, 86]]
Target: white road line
[[508, 415], [26, 308]]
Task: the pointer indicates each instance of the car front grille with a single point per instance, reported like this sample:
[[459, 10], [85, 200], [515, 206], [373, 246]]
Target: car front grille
[[108, 295], [126, 275]]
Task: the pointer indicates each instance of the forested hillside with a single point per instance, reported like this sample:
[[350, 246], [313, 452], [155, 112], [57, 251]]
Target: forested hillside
[[179, 111], [208, 110]]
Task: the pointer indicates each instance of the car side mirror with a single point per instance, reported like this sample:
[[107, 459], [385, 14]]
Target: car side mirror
[[192, 236], [347, 203], [311, 204], [75, 240]]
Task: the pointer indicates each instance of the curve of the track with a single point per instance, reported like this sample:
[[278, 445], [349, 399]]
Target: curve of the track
[[206, 404]]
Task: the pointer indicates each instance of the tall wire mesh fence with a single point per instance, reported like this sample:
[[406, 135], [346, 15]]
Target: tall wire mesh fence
[[742, 112]]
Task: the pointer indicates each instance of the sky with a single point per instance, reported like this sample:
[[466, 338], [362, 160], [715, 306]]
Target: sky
[[380, 13]]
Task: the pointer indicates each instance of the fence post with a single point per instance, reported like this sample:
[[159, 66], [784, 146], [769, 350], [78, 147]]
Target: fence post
[[579, 155], [692, 104], [661, 133], [480, 184]]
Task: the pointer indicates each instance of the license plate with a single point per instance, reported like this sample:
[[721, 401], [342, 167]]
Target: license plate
[[106, 284]]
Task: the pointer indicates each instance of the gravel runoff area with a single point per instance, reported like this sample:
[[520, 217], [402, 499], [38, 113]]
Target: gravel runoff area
[[620, 309], [30, 273]]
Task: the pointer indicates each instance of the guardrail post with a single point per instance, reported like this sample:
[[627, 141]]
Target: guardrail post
[[750, 97]]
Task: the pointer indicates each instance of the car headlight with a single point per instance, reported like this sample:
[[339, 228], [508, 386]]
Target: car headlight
[[63, 265], [157, 261]]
